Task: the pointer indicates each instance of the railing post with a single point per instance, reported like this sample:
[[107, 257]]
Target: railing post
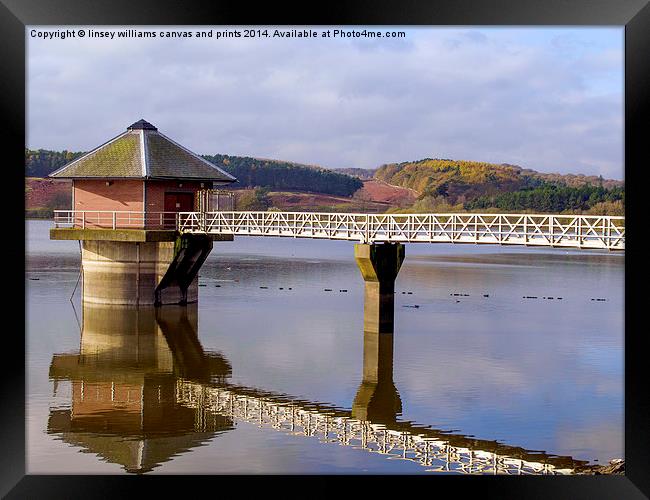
[[500, 229], [609, 233], [525, 229], [579, 224], [83, 220], [367, 236], [114, 214]]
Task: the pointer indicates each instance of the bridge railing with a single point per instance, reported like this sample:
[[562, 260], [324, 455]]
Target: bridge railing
[[570, 231], [574, 231], [115, 219]]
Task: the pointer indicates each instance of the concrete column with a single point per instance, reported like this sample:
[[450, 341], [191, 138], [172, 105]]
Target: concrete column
[[127, 273], [379, 265], [377, 399]]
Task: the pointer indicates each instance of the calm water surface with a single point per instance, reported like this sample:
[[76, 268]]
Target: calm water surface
[[538, 374]]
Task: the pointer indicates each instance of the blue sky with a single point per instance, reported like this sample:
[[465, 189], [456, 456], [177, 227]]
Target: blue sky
[[550, 99]]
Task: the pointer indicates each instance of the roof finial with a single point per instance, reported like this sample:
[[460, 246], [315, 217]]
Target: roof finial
[[141, 125]]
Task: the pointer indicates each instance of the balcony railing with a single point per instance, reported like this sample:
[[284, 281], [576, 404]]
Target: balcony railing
[[106, 219]]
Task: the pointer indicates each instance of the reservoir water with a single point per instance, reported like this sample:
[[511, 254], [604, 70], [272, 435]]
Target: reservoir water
[[513, 349]]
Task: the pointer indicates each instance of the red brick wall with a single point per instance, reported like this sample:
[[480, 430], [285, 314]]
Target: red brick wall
[[156, 192], [126, 195], [96, 195], [121, 195]]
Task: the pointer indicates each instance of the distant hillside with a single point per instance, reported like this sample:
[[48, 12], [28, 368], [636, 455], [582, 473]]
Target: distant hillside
[[40, 163], [571, 180], [361, 173], [556, 199], [42, 196], [426, 185], [281, 175], [444, 184], [263, 199], [454, 180]]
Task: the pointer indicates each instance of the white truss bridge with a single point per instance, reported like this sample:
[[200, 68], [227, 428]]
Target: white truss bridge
[[434, 450], [548, 230], [563, 231]]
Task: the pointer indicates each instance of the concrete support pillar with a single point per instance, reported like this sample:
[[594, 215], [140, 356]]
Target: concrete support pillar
[[128, 273], [379, 265], [377, 399]]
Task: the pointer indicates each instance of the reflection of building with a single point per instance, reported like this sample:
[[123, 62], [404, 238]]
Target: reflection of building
[[124, 384]]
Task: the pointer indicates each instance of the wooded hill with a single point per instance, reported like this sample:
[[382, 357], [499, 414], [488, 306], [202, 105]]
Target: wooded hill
[[361, 173], [282, 175], [438, 184], [455, 185], [41, 163]]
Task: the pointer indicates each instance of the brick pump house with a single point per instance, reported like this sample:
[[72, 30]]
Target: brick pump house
[[141, 171], [127, 195]]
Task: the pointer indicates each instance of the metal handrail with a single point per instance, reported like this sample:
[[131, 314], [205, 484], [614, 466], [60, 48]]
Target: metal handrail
[[567, 231], [575, 231], [115, 219]]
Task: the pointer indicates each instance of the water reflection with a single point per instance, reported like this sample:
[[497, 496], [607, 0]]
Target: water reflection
[[377, 398], [124, 386], [144, 391]]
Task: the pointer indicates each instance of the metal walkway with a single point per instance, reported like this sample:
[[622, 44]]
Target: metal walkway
[[547, 230], [565, 231]]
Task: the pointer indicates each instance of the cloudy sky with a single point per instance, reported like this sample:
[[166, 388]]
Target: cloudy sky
[[550, 99]]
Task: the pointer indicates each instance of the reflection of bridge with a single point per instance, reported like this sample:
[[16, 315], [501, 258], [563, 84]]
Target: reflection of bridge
[[143, 390], [433, 449]]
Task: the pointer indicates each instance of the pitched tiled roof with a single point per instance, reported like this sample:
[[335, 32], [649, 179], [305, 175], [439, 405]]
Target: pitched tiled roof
[[142, 153], [165, 159]]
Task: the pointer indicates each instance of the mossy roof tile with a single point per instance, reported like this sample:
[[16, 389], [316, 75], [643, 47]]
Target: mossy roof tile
[[166, 159], [120, 157], [142, 153]]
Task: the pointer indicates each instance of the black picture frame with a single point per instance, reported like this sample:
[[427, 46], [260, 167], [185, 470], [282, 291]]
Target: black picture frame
[[16, 14]]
